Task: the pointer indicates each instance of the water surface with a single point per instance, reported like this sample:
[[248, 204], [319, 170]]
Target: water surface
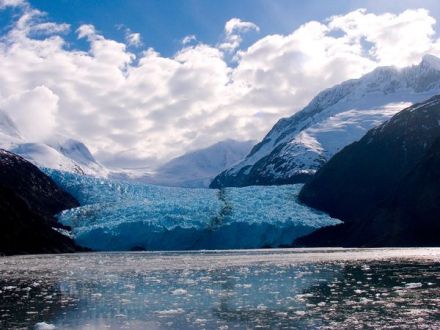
[[288, 288]]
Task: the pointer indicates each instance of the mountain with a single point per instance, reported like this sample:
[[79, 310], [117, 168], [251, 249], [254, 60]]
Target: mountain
[[385, 187], [195, 169], [60, 152], [28, 201], [299, 145]]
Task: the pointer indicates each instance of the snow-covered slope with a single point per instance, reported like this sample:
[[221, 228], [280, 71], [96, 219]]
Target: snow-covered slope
[[198, 168], [77, 152], [194, 169], [126, 216], [297, 146], [59, 153]]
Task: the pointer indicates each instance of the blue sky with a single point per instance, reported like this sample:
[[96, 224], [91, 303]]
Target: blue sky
[[163, 24], [75, 67]]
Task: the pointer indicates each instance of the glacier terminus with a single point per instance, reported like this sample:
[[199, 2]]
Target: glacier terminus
[[118, 215]]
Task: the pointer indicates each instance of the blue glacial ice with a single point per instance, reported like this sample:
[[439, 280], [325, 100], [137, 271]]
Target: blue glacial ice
[[121, 216]]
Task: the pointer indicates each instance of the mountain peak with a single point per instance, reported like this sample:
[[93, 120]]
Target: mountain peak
[[333, 119], [431, 61]]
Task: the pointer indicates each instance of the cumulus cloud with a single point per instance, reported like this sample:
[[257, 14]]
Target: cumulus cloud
[[237, 25], [145, 108], [395, 39], [234, 28], [33, 111]]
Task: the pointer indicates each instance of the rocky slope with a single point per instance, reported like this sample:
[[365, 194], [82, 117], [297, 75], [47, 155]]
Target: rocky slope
[[385, 187], [29, 200], [297, 146]]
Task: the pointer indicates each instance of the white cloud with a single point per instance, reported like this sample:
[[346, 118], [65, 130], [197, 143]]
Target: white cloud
[[33, 111], [188, 39], [134, 111], [233, 30], [396, 39], [235, 25], [86, 31], [12, 3], [133, 39]]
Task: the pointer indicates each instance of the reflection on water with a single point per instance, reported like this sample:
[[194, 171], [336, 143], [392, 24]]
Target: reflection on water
[[244, 289]]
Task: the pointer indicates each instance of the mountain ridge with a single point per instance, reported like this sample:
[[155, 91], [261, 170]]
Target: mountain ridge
[[299, 145], [194, 169], [385, 187], [58, 152]]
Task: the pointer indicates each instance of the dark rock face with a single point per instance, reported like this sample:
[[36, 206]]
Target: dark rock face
[[32, 185], [24, 231], [28, 202], [414, 210], [385, 187]]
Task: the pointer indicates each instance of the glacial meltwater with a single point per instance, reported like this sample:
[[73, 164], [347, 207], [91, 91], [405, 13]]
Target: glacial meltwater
[[236, 289]]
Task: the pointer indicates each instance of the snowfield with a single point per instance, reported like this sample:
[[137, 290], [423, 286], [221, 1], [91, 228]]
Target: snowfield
[[132, 216]]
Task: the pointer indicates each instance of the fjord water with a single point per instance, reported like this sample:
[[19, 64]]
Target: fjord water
[[289, 288]]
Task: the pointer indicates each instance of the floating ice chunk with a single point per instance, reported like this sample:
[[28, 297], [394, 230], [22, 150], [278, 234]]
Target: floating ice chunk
[[179, 292], [413, 285], [44, 326], [171, 311]]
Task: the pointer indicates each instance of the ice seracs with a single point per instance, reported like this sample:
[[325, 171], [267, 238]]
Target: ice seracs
[[132, 216], [297, 146]]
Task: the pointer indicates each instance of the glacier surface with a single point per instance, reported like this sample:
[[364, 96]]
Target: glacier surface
[[118, 215]]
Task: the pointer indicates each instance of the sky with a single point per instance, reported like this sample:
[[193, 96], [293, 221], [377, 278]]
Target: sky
[[142, 81]]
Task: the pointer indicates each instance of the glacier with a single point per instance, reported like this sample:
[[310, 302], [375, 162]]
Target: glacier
[[122, 216]]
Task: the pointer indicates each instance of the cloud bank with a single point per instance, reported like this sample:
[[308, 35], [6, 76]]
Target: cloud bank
[[142, 109]]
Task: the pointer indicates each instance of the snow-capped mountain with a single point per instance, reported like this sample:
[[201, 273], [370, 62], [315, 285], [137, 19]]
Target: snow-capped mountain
[[198, 168], [299, 145], [385, 187], [194, 169], [59, 153]]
